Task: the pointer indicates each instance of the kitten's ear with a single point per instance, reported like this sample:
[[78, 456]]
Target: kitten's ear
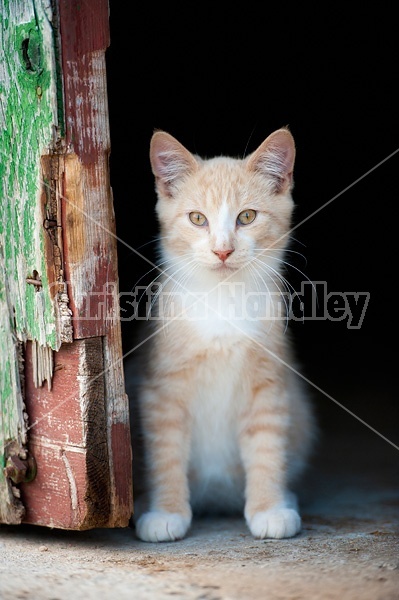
[[170, 161], [275, 158]]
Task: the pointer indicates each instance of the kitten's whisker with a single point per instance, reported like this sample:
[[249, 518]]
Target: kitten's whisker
[[158, 267], [163, 271], [154, 240], [257, 276], [299, 271], [178, 285], [266, 268], [172, 278], [288, 264], [285, 283], [297, 241], [285, 251]]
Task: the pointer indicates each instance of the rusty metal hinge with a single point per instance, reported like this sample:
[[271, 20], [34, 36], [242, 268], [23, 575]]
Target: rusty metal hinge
[[20, 470]]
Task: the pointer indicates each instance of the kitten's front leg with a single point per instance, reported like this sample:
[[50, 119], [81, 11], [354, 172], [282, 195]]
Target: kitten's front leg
[[165, 424], [270, 509]]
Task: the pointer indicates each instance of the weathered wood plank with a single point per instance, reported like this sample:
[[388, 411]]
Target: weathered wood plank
[[89, 224], [68, 438], [28, 130], [59, 253], [88, 209], [28, 125]]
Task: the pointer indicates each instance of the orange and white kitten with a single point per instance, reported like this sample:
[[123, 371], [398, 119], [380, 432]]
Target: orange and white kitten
[[225, 422]]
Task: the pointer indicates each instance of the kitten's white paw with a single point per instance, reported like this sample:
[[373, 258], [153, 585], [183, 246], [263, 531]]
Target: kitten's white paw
[[275, 523], [162, 527]]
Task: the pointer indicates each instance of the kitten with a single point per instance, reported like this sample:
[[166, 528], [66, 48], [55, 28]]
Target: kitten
[[225, 422]]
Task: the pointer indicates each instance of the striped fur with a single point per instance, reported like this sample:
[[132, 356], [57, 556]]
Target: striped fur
[[221, 420]]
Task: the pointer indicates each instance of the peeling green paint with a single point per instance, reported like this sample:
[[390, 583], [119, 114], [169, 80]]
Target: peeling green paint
[[27, 133], [28, 129]]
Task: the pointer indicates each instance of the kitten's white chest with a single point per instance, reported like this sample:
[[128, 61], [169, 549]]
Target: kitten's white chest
[[215, 465], [226, 310]]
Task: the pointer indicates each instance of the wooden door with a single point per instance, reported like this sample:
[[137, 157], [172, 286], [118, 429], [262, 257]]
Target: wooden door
[[64, 423]]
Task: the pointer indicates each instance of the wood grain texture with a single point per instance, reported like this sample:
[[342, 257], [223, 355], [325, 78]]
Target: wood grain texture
[[88, 214], [89, 225], [68, 438], [28, 130], [61, 285]]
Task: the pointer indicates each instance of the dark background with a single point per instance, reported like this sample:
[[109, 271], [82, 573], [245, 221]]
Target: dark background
[[221, 79]]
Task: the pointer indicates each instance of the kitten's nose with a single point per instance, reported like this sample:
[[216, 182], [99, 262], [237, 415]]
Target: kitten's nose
[[223, 254]]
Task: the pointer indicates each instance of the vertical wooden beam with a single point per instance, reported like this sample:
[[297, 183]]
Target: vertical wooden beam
[[89, 224], [28, 131], [58, 247]]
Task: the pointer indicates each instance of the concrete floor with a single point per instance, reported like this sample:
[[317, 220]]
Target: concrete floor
[[348, 549]]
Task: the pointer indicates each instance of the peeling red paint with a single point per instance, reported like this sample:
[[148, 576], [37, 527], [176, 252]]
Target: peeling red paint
[[63, 440], [84, 38], [97, 312]]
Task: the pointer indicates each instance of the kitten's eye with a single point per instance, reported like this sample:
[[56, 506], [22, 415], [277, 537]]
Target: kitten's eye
[[198, 218], [246, 217]]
